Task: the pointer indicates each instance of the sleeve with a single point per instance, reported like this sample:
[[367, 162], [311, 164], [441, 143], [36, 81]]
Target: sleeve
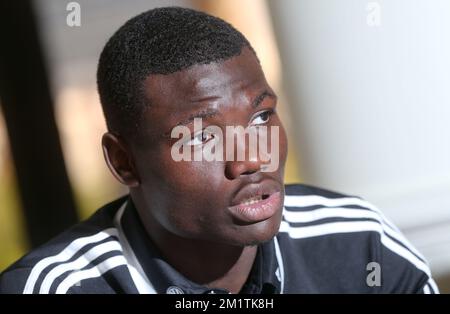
[[13, 281], [403, 269], [405, 273]]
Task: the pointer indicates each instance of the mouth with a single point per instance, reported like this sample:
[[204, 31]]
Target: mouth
[[256, 203], [255, 199]]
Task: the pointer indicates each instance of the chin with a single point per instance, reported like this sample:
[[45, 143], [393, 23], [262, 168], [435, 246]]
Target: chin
[[260, 232]]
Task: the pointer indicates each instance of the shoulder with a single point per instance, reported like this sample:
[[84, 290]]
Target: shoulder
[[341, 237], [73, 249]]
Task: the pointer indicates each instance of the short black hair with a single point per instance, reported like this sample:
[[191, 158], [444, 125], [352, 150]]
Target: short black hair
[[159, 41]]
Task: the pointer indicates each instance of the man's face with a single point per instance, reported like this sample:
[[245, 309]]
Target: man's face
[[203, 199]]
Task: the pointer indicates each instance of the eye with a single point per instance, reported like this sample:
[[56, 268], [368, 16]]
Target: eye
[[200, 138], [262, 117]]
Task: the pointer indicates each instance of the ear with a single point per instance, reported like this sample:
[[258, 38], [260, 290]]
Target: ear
[[119, 160]]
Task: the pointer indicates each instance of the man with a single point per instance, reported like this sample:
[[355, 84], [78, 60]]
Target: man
[[209, 226]]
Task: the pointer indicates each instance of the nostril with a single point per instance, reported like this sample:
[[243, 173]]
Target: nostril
[[235, 169], [249, 172]]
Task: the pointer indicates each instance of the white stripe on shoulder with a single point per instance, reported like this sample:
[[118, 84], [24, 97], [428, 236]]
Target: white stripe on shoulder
[[280, 264], [388, 226], [342, 212], [64, 255], [426, 289], [312, 200], [93, 272], [78, 264], [140, 279], [354, 226], [433, 286]]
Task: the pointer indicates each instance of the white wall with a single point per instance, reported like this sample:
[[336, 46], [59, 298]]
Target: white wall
[[72, 52], [372, 106]]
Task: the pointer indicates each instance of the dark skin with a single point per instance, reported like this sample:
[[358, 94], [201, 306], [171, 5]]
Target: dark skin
[[183, 205]]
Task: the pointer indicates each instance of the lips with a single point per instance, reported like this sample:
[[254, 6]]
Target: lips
[[257, 202]]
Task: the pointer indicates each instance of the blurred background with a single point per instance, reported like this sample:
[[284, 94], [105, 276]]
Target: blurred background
[[364, 91]]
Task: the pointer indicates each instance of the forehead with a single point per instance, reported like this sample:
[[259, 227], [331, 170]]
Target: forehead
[[174, 95]]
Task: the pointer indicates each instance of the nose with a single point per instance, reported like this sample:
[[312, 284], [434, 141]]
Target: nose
[[245, 159], [236, 169]]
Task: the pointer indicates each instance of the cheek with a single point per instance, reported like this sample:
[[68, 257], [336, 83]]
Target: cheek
[[283, 145], [186, 193], [194, 176], [192, 204], [158, 166]]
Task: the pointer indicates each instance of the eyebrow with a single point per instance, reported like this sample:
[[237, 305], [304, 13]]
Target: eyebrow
[[208, 112], [258, 100], [205, 113]]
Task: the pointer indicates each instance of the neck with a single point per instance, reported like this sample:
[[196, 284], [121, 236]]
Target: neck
[[211, 264]]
